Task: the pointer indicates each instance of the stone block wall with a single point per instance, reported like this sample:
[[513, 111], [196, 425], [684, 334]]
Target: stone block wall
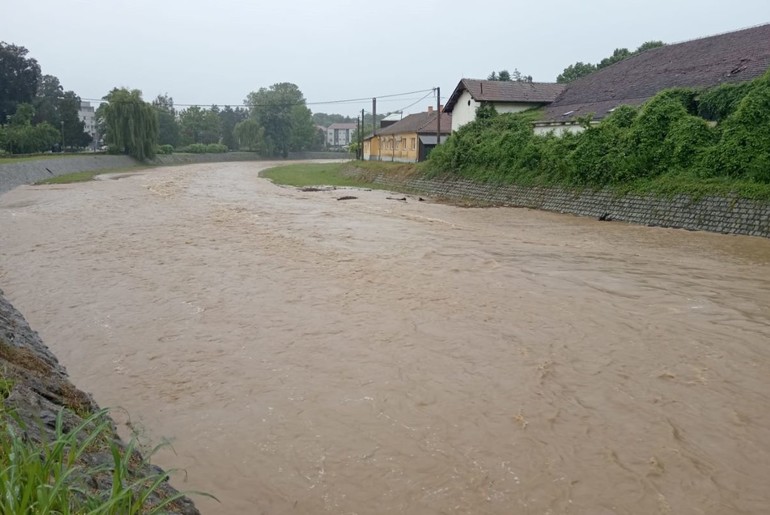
[[716, 214]]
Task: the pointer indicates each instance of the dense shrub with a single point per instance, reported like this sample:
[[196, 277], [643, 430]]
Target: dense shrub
[[722, 101], [216, 148], [202, 148], [744, 146], [28, 139], [195, 148], [165, 149], [666, 136]]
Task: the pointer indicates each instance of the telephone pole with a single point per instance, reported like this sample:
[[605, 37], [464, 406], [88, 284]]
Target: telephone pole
[[438, 120]]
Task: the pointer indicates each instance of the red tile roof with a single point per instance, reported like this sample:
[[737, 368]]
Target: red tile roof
[[733, 57], [421, 123], [505, 91]]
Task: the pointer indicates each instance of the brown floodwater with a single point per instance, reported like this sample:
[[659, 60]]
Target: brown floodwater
[[310, 355]]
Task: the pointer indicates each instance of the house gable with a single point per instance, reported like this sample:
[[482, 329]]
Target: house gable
[[505, 96]]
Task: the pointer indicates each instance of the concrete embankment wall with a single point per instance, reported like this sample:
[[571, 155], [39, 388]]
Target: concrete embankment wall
[[29, 172], [716, 214]]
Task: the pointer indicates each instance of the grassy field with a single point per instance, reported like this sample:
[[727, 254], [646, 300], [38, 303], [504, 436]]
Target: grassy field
[[317, 174]]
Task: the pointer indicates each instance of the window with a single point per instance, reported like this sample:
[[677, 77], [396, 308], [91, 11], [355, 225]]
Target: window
[[414, 143]]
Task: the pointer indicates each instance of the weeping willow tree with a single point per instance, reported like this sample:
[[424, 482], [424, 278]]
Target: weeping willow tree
[[131, 123]]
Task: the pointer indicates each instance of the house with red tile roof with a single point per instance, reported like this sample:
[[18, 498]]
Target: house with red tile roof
[[505, 96]]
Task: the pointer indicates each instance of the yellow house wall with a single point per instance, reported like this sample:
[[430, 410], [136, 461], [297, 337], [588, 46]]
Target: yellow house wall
[[406, 147]]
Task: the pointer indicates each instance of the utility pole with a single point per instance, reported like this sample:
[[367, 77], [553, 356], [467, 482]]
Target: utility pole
[[374, 115], [438, 120], [361, 136], [62, 135]]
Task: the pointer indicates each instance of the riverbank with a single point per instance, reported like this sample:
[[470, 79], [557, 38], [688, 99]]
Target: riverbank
[[42, 414], [373, 355], [15, 172], [702, 210]]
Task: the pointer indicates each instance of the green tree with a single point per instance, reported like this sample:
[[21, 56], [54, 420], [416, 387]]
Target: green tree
[[250, 135], [19, 78], [506, 76], [21, 137], [229, 118], [200, 125], [581, 69], [618, 55], [168, 127], [131, 123], [649, 45], [575, 71], [74, 128], [49, 94], [281, 111], [325, 119]]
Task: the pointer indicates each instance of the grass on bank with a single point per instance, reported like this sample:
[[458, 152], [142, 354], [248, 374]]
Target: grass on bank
[[56, 477], [89, 175], [319, 174]]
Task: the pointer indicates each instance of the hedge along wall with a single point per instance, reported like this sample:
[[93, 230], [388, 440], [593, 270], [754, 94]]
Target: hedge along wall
[[716, 214]]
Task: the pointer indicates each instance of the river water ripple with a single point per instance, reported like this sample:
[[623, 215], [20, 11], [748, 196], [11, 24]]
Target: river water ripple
[[310, 355]]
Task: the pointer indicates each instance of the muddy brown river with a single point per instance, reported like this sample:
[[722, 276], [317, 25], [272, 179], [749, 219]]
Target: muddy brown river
[[310, 355]]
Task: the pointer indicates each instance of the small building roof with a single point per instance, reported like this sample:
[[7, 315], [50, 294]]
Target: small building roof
[[701, 63], [421, 123], [505, 91]]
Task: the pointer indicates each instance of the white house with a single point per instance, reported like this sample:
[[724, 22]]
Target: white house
[[340, 134], [505, 96]]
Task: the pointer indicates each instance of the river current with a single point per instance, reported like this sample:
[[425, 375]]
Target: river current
[[305, 354]]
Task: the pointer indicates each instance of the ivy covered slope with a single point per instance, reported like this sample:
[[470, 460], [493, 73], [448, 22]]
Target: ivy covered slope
[[681, 141]]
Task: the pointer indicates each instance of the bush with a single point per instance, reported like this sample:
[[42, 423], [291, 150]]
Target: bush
[[719, 103], [195, 148], [744, 147], [216, 148], [165, 149]]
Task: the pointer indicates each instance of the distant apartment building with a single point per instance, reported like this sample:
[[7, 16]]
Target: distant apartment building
[[87, 115], [340, 134]]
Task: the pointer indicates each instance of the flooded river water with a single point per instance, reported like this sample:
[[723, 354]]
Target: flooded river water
[[310, 355]]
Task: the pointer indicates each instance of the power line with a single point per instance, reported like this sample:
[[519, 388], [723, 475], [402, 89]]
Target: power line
[[327, 102]]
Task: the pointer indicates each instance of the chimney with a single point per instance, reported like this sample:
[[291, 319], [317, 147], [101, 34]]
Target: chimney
[[430, 109]]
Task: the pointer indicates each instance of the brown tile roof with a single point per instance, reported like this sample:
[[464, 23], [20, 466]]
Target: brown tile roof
[[505, 91], [701, 63], [421, 123]]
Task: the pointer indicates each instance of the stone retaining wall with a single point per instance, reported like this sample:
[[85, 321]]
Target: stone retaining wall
[[716, 214], [40, 390]]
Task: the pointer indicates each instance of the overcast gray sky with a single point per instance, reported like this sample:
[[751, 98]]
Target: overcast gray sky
[[216, 52]]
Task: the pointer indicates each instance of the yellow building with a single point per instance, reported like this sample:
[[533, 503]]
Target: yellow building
[[409, 140]]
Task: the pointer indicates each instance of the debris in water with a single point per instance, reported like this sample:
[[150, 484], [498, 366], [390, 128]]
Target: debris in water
[[403, 199], [347, 197], [605, 218]]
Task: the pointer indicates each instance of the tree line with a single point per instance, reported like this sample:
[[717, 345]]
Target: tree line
[[36, 113]]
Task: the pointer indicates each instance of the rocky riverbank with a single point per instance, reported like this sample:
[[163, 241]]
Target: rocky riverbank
[[36, 395]]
